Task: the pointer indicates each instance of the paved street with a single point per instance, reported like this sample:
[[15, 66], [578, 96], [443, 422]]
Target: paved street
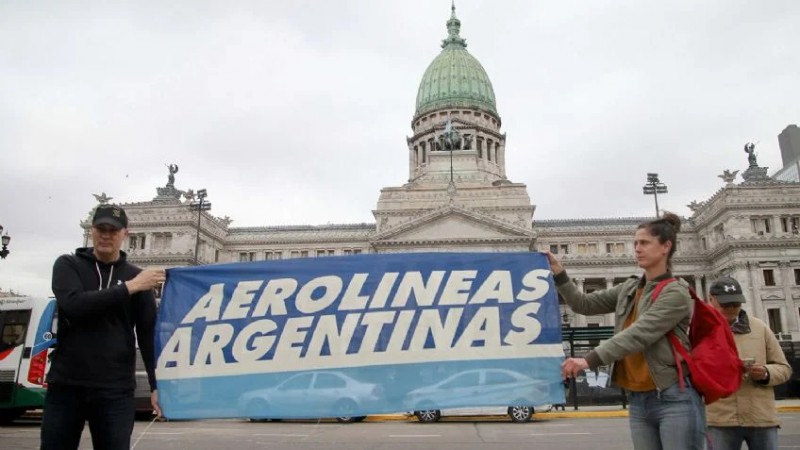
[[548, 433]]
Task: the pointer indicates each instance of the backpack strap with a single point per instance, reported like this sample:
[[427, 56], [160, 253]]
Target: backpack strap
[[660, 287], [677, 347]]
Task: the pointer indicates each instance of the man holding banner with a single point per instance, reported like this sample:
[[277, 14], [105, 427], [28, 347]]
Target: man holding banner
[[662, 415], [105, 306]]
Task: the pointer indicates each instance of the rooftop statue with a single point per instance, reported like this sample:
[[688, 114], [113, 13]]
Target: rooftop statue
[[750, 149], [173, 169]]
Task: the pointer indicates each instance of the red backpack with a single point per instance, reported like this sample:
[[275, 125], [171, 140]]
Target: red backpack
[[714, 363]]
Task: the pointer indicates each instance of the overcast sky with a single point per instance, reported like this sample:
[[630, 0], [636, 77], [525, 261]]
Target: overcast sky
[[296, 112]]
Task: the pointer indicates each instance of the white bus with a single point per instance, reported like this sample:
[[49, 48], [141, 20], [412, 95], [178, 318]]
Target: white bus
[[27, 334]]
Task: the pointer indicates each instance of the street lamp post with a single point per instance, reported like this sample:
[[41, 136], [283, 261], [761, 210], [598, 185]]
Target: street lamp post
[[5, 240], [199, 205], [654, 187]]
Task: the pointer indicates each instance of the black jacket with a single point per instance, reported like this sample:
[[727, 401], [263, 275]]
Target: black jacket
[[97, 319]]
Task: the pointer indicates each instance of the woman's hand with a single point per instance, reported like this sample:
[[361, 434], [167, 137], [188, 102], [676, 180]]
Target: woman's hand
[[555, 265]]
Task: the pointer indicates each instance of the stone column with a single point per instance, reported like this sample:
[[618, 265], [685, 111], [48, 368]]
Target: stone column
[[698, 288], [580, 319], [609, 318], [787, 277], [501, 156], [754, 280]]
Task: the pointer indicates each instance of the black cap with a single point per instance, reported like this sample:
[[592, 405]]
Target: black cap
[[727, 290], [111, 215]]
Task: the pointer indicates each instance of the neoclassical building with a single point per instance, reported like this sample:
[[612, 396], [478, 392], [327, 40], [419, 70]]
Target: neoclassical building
[[459, 198]]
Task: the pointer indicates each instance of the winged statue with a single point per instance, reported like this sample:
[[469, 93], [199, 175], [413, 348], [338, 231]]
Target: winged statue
[[173, 169], [103, 198]]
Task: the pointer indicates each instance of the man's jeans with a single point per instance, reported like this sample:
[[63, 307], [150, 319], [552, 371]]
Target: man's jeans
[[731, 438], [110, 413], [671, 420]]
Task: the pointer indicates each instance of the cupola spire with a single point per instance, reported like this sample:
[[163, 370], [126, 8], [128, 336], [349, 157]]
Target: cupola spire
[[453, 29]]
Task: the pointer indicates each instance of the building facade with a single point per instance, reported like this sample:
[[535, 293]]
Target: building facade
[[458, 198]]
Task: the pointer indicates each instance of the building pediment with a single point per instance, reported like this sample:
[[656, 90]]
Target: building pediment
[[451, 223]]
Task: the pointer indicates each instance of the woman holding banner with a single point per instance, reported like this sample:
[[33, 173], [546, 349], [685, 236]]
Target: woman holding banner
[[662, 415]]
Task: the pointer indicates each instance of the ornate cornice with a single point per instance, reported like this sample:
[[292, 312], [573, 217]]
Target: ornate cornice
[[432, 189], [581, 234], [162, 259], [263, 241], [452, 241], [338, 226], [748, 243]]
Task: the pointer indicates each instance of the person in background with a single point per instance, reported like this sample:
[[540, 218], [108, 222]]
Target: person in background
[[663, 416], [105, 306], [749, 415]]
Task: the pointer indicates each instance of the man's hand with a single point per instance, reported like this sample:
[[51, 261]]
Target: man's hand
[[757, 372], [154, 403], [147, 279], [555, 265], [572, 366]]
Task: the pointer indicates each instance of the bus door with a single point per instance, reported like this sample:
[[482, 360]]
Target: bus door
[[39, 345]]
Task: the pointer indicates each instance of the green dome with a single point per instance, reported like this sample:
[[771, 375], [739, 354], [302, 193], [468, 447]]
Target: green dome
[[455, 78]]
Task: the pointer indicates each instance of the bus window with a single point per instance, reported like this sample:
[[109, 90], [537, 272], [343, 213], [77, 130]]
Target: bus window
[[13, 334], [13, 325]]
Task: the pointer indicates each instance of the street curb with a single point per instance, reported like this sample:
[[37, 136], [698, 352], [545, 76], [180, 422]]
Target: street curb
[[581, 414], [389, 418]]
